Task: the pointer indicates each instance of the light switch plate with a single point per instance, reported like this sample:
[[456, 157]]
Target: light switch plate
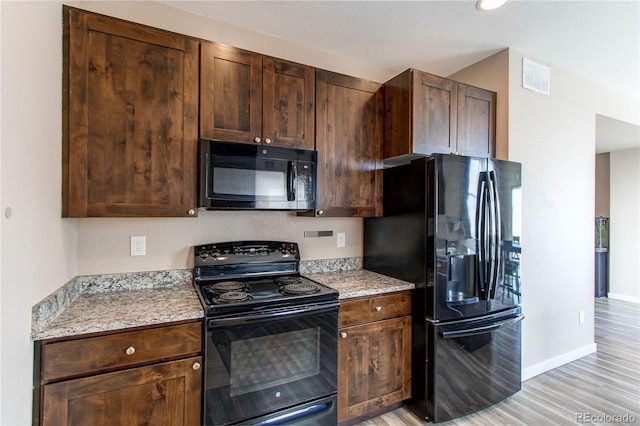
[[342, 239]]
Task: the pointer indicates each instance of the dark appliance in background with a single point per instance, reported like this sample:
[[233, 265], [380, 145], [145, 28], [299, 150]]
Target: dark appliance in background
[[451, 226], [270, 337], [240, 176]]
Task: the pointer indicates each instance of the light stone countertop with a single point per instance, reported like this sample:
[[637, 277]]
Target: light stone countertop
[[118, 307], [117, 310], [360, 283], [90, 304]]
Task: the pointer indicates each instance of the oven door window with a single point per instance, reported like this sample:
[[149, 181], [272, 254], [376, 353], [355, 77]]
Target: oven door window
[[257, 368]]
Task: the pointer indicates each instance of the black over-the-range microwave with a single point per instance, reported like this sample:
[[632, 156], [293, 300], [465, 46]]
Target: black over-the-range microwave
[[239, 176]]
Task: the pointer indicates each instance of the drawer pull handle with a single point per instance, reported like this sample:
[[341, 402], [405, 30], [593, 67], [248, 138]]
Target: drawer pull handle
[[130, 350], [196, 366], [343, 334], [378, 308]]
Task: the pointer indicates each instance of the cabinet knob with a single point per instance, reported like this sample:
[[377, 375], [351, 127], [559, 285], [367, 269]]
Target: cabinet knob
[[378, 308], [320, 212], [343, 334], [257, 139], [191, 212], [196, 366], [130, 350], [267, 141]]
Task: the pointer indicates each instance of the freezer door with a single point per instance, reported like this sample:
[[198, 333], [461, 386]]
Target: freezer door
[[472, 365], [505, 186]]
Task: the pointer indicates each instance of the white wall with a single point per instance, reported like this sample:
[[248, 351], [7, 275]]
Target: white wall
[[624, 225], [38, 248]]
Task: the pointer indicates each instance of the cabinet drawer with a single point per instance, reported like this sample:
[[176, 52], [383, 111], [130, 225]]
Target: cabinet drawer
[[93, 354], [374, 308]]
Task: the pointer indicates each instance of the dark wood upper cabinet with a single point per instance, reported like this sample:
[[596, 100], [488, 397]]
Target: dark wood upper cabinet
[[476, 121], [349, 125], [428, 114], [130, 111], [251, 98]]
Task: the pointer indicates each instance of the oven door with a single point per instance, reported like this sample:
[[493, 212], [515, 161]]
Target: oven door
[[242, 176], [261, 363]]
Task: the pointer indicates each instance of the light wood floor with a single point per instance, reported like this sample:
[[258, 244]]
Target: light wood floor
[[603, 383]]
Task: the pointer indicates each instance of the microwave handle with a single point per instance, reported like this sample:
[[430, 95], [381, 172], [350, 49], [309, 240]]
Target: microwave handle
[[291, 179]]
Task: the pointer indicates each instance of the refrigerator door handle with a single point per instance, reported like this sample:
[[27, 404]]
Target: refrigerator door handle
[[482, 230], [495, 237], [480, 330]]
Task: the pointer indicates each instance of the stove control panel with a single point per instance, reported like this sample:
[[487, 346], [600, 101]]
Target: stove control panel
[[242, 252]]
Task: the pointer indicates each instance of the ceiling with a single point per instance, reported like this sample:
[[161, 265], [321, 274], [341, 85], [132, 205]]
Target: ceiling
[[599, 40]]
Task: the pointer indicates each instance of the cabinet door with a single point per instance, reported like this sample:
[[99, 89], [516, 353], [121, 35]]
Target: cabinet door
[[476, 121], [162, 394], [434, 114], [288, 113], [130, 111], [230, 93], [374, 366], [349, 144]]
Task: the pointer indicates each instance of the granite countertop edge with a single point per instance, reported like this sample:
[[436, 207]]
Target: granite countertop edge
[[99, 303]]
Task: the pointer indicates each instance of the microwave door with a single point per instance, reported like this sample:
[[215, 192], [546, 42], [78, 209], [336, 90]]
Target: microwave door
[[240, 177]]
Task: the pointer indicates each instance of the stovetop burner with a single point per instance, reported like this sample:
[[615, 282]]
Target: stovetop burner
[[299, 288], [288, 280], [232, 297], [224, 286]]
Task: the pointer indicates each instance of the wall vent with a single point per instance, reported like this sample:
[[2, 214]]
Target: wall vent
[[536, 77]]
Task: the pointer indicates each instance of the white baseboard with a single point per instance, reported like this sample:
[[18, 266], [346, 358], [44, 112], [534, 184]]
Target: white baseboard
[[557, 361], [623, 297]]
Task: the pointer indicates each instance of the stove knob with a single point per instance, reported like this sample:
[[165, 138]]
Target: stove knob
[[204, 255]]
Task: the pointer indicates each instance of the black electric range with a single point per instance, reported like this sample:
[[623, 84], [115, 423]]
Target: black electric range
[[270, 336], [246, 276]]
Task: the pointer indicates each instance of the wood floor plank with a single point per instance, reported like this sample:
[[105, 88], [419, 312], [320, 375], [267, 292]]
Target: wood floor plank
[[606, 383]]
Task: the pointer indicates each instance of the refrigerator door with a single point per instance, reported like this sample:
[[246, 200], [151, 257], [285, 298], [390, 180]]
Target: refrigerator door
[[472, 365], [452, 208], [505, 189]]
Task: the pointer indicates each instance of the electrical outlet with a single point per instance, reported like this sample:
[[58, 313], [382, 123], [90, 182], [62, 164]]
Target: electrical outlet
[[581, 317], [342, 239], [138, 245]]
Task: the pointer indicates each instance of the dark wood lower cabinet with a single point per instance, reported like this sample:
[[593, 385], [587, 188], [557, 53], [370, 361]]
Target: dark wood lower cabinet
[[148, 376], [374, 357], [162, 394]]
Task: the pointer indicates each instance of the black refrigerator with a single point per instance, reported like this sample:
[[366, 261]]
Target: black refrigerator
[[451, 226]]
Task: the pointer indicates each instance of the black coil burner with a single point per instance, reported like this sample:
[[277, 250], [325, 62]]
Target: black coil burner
[[299, 288], [224, 286], [288, 280], [232, 297]]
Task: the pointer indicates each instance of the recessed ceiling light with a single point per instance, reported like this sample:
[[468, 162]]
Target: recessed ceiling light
[[484, 5]]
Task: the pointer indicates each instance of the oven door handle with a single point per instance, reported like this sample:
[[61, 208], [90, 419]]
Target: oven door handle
[[282, 313]]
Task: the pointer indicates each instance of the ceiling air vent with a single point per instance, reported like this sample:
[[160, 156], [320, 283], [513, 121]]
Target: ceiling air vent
[[536, 77]]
